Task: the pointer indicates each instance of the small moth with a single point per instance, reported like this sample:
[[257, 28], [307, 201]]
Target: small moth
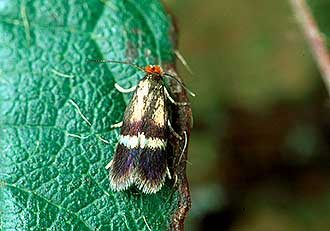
[[140, 157]]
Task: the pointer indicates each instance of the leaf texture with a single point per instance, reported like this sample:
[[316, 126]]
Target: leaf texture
[[56, 111]]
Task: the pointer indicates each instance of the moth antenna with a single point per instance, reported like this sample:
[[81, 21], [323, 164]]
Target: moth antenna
[[181, 83], [115, 61]]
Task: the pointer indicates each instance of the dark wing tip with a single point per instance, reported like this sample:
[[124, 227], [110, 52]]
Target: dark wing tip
[[151, 172], [144, 167], [149, 186], [120, 183], [121, 168]]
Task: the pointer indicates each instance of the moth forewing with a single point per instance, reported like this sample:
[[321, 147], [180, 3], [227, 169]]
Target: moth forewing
[[140, 156]]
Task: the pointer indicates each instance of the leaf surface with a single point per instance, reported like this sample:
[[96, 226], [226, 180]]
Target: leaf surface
[[55, 110]]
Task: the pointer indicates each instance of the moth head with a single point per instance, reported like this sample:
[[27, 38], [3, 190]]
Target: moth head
[[154, 70]]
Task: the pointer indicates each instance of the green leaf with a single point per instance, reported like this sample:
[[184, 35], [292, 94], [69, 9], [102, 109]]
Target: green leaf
[[53, 172]]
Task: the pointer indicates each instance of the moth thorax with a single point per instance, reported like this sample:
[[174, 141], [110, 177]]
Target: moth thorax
[[154, 70]]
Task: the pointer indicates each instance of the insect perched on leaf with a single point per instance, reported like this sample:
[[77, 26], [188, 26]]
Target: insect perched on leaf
[[140, 158]]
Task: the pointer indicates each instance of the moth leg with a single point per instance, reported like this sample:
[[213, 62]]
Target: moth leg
[[184, 146], [103, 140], [173, 101], [181, 155], [108, 165], [168, 173], [172, 130], [183, 61], [175, 180], [117, 125], [125, 90], [80, 113]]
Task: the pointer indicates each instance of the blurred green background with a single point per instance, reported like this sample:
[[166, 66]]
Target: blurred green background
[[259, 148]]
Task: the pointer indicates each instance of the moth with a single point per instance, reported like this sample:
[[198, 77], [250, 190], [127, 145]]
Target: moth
[[140, 157]]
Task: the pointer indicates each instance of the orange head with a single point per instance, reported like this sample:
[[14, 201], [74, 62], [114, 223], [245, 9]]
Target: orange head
[[154, 70]]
